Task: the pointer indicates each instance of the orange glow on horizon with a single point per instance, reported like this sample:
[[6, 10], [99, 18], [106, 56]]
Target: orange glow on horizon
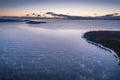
[[43, 14], [12, 14]]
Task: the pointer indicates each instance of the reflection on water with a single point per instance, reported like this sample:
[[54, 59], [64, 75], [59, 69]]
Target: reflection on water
[[54, 51]]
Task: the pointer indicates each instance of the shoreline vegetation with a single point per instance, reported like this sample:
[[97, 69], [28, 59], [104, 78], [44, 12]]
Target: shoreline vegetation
[[109, 39]]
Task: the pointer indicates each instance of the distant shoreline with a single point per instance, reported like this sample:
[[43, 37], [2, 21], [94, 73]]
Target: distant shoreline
[[109, 39]]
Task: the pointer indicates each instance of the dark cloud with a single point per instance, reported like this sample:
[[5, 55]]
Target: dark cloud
[[114, 16], [57, 15]]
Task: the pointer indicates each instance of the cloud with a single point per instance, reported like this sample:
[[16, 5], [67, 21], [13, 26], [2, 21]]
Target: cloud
[[114, 16], [66, 16], [57, 15]]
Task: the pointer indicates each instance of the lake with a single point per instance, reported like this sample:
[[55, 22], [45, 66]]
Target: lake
[[56, 51]]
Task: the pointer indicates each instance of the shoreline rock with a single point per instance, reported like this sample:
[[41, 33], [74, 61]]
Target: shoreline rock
[[109, 39]]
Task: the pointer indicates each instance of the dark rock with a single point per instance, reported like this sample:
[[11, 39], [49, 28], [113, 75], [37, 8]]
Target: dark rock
[[34, 22], [11, 20], [110, 39]]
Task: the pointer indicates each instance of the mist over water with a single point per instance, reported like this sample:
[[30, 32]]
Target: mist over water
[[55, 51]]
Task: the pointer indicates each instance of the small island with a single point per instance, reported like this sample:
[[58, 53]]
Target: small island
[[110, 39], [10, 20], [34, 22], [21, 20]]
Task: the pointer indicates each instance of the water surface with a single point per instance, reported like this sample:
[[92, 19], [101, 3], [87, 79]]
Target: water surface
[[55, 51]]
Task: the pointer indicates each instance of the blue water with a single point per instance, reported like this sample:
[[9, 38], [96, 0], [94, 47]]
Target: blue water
[[55, 51]]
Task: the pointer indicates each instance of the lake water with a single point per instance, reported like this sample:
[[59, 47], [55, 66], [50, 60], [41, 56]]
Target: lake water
[[55, 51]]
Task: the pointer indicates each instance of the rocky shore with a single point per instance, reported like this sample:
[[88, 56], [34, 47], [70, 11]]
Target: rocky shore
[[109, 39]]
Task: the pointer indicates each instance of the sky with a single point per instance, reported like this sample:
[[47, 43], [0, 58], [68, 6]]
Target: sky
[[69, 7]]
